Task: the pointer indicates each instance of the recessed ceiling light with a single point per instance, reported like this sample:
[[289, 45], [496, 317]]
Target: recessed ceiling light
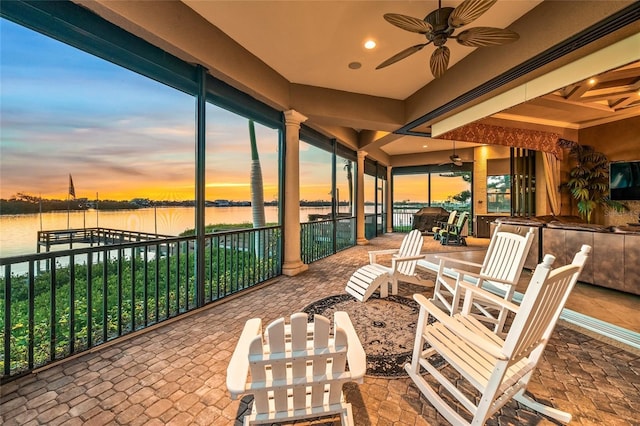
[[425, 146], [369, 44], [592, 81], [355, 65]]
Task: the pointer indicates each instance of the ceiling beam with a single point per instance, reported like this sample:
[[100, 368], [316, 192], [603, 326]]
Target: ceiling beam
[[552, 101], [578, 90], [625, 102]]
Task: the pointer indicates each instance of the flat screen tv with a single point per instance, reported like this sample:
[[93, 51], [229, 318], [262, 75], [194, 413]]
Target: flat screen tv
[[624, 180]]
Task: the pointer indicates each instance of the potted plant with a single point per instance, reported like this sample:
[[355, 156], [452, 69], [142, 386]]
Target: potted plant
[[589, 179]]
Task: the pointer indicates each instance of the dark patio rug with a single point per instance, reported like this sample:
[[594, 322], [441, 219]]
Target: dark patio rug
[[386, 328]]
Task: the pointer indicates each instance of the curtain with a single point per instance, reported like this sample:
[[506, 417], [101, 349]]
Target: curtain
[[552, 174]]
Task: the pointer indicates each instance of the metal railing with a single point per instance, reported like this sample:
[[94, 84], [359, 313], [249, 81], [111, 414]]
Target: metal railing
[[322, 238], [403, 218], [60, 303]]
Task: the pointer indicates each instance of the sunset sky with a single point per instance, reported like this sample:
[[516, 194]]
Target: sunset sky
[[124, 136]]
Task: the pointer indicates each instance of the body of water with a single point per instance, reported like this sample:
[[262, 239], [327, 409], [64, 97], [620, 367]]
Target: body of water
[[18, 233]]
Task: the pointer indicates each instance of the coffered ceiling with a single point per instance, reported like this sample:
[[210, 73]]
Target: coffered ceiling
[[606, 97]]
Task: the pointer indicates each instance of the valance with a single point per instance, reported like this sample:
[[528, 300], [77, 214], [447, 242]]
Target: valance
[[507, 136]]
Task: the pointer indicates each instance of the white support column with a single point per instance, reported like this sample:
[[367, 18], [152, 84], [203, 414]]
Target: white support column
[[292, 264], [389, 202], [360, 235]]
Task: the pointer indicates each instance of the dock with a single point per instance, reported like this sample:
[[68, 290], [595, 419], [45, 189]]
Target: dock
[[92, 236]]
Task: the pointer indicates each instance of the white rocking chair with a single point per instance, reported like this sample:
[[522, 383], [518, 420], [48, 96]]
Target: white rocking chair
[[297, 369], [366, 280], [501, 269], [498, 369]]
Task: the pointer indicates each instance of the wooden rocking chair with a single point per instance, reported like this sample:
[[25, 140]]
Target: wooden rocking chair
[[366, 280], [499, 370], [500, 269], [297, 369]]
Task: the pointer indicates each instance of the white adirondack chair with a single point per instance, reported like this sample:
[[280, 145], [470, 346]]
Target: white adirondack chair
[[297, 369], [501, 269], [498, 369], [366, 280]]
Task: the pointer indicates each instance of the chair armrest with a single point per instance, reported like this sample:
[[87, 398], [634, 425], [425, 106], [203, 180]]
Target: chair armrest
[[435, 312], [238, 368], [480, 277], [374, 253], [459, 261], [356, 356], [458, 329], [473, 292], [397, 260]]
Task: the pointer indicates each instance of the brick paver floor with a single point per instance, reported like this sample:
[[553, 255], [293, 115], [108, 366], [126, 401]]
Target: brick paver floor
[[175, 374]]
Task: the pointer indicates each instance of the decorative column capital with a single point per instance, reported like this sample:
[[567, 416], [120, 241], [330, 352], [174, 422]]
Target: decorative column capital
[[293, 117], [362, 154]]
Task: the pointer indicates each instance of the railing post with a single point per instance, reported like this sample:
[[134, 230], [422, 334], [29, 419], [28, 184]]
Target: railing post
[[7, 320]]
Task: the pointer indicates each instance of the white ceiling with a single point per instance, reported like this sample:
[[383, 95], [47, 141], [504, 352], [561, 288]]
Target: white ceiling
[[313, 42]]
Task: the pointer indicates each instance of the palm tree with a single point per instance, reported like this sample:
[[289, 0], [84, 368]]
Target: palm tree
[[589, 179], [257, 191]]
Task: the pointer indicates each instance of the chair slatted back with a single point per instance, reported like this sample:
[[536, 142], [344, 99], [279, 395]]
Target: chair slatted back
[[411, 246], [462, 221], [299, 359], [541, 306], [505, 257], [452, 217]]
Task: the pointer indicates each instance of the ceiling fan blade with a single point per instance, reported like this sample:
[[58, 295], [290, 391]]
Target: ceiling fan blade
[[408, 23], [439, 61], [401, 55], [486, 36], [468, 11]]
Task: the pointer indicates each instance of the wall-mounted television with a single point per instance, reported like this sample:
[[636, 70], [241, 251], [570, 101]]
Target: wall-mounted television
[[624, 180]]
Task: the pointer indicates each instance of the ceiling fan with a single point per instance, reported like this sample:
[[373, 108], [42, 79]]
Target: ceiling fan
[[455, 158], [439, 26]]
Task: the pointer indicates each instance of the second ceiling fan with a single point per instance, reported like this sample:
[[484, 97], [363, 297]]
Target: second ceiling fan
[[455, 158], [439, 26]]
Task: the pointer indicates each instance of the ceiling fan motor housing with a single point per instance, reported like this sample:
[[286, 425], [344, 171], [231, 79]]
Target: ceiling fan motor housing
[[439, 21]]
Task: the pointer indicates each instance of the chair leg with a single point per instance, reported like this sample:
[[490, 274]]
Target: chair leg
[[394, 285], [384, 289], [346, 416]]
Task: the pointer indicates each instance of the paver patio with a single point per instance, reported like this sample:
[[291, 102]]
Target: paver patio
[[175, 374]]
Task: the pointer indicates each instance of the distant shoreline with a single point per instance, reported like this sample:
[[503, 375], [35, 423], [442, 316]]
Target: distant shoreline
[[32, 205]]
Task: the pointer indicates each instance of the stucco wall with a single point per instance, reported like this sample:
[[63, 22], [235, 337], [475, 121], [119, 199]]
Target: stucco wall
[[618, 141]]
